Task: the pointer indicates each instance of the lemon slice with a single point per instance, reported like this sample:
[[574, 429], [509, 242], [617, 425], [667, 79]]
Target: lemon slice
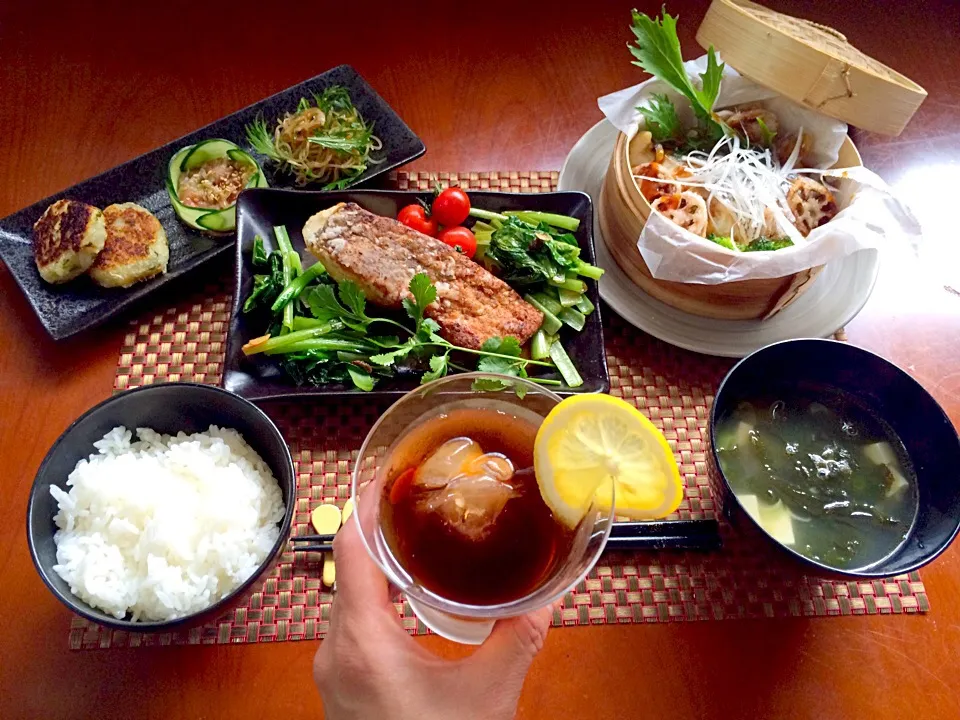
[[588, 440]]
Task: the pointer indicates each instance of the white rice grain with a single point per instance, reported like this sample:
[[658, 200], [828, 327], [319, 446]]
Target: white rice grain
[[165, 526]]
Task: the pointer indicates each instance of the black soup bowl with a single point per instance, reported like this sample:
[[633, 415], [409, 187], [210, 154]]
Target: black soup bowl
[[169, 409], [928, 436]]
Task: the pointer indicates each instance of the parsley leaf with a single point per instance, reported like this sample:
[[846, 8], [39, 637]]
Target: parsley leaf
[[391, 357], [429, 326], [324, 305], [517, 367], [662, 121], [439, 365], [498, 365], [504, 346], [353, 296], [424, 292]]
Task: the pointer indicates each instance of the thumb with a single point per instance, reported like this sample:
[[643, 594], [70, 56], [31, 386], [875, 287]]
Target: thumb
[[506, 655]]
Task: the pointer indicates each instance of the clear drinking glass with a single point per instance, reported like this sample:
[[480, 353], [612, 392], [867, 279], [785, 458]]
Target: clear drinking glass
[[523, 399]]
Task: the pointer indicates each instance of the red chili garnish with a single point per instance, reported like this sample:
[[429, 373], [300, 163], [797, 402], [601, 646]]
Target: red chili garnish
[[401, 486]]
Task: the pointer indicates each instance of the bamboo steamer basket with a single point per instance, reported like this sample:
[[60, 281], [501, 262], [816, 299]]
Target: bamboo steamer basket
[[767, 47]]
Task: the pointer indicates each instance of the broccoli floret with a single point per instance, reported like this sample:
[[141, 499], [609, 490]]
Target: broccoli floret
[[723, 241], [762, 244]]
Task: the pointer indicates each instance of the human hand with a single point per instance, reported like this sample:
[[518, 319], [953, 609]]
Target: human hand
[[368, 667]]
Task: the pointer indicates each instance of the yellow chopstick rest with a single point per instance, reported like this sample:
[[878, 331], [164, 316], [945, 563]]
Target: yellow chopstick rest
[[326, 520]]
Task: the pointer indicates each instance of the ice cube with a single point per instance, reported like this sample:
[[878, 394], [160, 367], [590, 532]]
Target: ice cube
[[465, 486], [470, 504], [494, 465], [446, 462]]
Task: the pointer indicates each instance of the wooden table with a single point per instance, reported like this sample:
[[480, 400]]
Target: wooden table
[[493, 85]]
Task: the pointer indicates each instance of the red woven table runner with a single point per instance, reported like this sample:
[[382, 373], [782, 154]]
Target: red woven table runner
[[674, 388]]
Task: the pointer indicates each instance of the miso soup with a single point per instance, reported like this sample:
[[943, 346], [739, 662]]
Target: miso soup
[[821, 474]]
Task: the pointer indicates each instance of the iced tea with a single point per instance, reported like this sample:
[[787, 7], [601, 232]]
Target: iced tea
[[461, 510]]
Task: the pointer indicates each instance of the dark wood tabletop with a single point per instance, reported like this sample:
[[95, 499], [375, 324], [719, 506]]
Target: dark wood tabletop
[[488, 86]]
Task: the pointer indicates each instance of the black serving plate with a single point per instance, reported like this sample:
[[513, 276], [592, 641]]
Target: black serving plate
[[258, 211], [67, 309]]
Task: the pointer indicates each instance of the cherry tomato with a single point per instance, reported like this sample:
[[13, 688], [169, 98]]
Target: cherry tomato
[[451, 207], [461, 238], [415, 216]]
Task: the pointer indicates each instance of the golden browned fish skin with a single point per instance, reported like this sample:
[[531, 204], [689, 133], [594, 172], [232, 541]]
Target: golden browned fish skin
[[381, 255]]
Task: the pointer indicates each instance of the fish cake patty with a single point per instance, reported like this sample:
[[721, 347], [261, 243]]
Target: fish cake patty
[[66, 240], [136, 247], [381, 255]]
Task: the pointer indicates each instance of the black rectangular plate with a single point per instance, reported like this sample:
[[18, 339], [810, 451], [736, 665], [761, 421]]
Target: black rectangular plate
[[258, 211], [65, 310]]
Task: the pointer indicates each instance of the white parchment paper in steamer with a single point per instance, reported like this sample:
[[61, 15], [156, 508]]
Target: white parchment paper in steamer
[[871, 215]]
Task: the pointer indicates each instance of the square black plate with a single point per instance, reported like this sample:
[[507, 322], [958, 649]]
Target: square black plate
[[67, 309], [258, 211]]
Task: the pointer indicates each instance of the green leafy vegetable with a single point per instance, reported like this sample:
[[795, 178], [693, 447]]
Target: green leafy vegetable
[[326, 140], [527, 254], [288, 267], [266, 287], [324, 305], [439, 366], [764, 244], [662, 120], [766, 135], [722, 241], [657, 51], [335, 98], [424, 293], [343, 141], [335, 345], [292, 291], [361, 379], [259, 256], [261, 139]]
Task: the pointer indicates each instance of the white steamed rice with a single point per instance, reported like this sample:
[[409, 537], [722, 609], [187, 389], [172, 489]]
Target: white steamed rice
[[165, 526]]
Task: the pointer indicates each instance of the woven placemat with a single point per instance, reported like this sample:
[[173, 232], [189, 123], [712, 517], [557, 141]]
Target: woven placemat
[[748, 578]]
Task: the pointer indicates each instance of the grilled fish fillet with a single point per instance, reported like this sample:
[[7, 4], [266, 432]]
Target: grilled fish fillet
[[381, 255]]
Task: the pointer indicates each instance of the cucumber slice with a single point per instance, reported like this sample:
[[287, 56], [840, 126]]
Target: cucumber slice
[[206, 150], [220, 220], [214, 220]]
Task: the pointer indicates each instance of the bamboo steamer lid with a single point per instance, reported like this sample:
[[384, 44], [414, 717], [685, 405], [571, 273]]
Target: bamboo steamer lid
[[811, 64]]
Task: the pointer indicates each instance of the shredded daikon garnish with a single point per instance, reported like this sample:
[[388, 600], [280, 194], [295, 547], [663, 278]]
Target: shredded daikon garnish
[[748, 180]]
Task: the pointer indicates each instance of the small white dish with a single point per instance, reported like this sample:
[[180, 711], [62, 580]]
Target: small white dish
[[836, 296]]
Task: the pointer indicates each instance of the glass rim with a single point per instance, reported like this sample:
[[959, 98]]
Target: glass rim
[[420, 593]]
